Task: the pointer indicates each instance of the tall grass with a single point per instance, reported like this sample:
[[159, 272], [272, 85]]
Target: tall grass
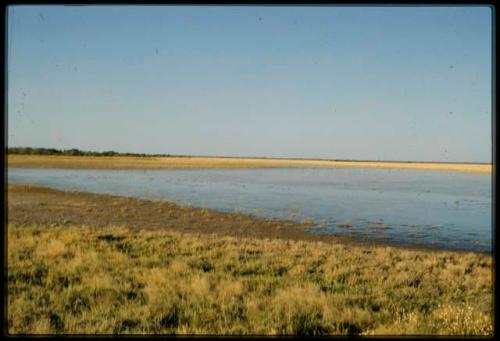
[[84, 281]]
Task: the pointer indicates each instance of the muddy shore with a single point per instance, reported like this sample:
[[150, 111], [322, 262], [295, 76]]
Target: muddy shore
[[32, 205], [37, 205]]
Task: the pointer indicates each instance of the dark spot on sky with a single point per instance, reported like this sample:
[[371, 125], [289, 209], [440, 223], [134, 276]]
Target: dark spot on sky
[[451, 66], [41, 16], [156, 50], [260, 19], [451, 112]]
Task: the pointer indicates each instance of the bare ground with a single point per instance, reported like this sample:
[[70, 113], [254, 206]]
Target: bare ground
[[36, 205]]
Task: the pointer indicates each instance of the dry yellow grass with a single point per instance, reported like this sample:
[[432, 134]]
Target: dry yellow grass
[[124, 162], [83, 280]]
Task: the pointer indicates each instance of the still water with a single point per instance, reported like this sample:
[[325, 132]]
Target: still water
[[407, 207]]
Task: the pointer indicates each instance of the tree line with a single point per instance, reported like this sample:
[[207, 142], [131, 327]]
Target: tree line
[[77, 152]]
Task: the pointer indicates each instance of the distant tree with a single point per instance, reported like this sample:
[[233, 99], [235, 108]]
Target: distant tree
[[52, 151], [77, 152], [73, 152], [109, 153]]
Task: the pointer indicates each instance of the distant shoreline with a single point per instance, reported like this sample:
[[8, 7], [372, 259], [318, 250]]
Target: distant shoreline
[[154, 162], [336, 160]]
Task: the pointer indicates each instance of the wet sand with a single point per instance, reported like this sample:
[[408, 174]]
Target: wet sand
[[127, 162]]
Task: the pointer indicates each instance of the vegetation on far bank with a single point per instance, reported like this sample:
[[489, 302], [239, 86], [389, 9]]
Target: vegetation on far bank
[[83, 280], [77, 152]]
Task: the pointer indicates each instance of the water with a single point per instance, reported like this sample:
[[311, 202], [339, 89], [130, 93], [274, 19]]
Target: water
[[449, 210]]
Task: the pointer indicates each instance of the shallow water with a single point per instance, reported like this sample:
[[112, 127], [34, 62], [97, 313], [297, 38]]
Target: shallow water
[[449, 210]]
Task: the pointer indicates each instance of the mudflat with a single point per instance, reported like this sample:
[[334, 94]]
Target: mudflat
[[30, 205], [33, 205], [128, 162]]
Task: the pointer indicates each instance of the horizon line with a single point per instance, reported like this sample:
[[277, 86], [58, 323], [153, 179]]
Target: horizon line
[[249, 157]]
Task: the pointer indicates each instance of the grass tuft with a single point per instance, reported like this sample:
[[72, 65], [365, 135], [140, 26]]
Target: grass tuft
[[81, 280]]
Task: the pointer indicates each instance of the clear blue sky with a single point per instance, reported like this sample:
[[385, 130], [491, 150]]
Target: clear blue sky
[[388, 83]]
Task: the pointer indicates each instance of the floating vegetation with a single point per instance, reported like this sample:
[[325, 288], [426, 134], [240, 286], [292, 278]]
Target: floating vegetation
[[360, 232], [308, 221], [322, 223], [386, 238], [258, 211], [380, 229]]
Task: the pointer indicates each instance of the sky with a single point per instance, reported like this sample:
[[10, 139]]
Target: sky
[[329, 82]]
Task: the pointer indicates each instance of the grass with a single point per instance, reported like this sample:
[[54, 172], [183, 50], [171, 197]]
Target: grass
[[83, 280], [128, 162]]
